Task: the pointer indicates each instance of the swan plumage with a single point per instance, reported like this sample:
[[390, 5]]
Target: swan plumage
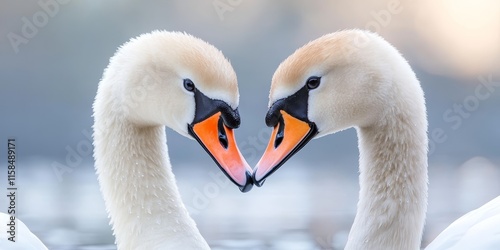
[[24, 238], [355, 78], [478, 229], [162, 79]]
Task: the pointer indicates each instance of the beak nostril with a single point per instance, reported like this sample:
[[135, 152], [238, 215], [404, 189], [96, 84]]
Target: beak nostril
[[222, 134], [223, 141], [280, 134]]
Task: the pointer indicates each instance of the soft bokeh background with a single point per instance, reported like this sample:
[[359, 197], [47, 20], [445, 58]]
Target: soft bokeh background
[[48, 83]]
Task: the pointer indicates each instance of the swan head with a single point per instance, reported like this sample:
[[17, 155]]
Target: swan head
[[335, 82], [176, 80]]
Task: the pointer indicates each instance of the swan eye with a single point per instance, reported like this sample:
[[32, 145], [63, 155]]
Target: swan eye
[[189, 85], [313, 82]]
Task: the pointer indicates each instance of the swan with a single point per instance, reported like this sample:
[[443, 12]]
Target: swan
[[354, 78], [162, 79], [24, 238]]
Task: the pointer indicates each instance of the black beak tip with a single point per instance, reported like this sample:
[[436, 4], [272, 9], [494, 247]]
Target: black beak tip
[[258, 183], [249, 185]]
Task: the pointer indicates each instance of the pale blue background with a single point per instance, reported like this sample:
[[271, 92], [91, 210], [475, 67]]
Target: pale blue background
[[48, 86]]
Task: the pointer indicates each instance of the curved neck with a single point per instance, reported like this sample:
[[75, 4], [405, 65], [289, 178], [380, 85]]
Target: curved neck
[[139, 188], [393, 182]]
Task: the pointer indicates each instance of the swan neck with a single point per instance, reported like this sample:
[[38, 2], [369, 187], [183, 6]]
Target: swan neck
[[393, 182], [139, 188]]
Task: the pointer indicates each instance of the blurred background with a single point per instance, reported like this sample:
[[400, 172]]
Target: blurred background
[[53, 54]]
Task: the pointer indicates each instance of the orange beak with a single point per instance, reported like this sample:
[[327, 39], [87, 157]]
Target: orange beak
[[288, 137], [218, 140]]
